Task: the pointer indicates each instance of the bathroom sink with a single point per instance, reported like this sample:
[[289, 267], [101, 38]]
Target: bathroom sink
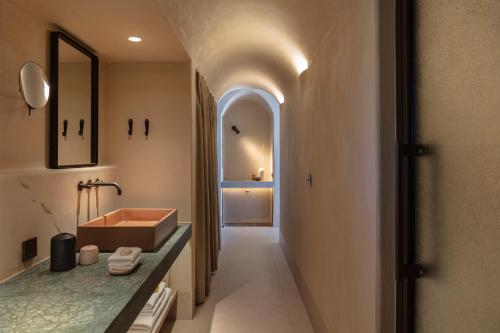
[[144, 228]]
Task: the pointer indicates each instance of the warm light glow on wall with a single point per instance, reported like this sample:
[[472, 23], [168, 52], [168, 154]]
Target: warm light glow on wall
[[280, 97], [251, 77], [252, 149], [135, 39], [301, 63]]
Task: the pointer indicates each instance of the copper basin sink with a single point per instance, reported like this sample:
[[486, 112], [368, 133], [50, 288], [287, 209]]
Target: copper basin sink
[[145, 228]]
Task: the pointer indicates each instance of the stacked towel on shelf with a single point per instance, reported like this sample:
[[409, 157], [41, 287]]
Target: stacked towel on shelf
[[124, 260], [151, 317], [155, 300]]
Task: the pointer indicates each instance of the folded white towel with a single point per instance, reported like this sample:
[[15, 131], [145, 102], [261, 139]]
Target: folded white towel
[[153, 311], [145, 323], [155, 329], [123, 269], [125, 255], [153, 300], [123, 265]]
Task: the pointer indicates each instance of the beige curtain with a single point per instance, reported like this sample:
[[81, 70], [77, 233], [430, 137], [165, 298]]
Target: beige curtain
[[207, 224]]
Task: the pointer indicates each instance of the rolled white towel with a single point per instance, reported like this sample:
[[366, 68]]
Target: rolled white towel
[[145, 323], [153, 300], [124, 255]]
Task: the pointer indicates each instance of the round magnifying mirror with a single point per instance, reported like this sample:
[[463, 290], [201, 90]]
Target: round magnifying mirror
[[34, 85]]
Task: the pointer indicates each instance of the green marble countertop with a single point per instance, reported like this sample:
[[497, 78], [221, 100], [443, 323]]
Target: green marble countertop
[[87, 298]]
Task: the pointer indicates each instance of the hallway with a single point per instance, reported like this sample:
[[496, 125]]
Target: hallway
[[253, 290]]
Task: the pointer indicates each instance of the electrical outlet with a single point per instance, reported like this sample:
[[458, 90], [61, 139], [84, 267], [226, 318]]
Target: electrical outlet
[[30, 249]]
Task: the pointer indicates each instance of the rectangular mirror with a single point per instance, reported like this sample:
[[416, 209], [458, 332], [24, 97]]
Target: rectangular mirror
[[74, 103]]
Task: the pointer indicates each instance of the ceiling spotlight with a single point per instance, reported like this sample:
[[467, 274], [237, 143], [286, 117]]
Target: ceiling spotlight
[[135, 39]]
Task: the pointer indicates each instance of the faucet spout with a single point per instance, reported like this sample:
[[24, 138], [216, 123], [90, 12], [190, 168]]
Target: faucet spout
[[113, 184]]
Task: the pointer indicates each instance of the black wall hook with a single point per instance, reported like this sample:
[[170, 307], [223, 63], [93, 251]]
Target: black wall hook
[[146, 124], [130, 127], [82, 124], [65, 128]]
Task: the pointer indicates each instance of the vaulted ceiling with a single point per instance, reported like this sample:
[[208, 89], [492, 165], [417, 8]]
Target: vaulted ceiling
[[258, 43]]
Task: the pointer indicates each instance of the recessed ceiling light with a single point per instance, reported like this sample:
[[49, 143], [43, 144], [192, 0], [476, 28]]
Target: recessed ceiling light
[[135, 39]]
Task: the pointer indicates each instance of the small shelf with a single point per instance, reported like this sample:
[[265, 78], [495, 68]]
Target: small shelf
[[169, 312], [247, 184]]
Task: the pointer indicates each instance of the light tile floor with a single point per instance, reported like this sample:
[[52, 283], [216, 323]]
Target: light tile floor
[[253, 290]]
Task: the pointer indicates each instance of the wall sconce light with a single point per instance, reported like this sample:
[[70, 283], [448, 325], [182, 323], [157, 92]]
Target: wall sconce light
[[235, 129]]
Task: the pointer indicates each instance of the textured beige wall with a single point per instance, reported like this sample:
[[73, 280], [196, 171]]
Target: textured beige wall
[[154, 172], [458, 184], [386, 311], [22, 217], [330, 128], [22, 137], [23, 151], [251, 150]]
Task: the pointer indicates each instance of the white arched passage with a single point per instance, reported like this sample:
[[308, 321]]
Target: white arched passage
[[223, 105]]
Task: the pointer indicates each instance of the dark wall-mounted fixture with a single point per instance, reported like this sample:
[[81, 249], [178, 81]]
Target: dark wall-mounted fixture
[[146, 125], [235, 129], [309, 179], [29, 249], [33, 85], [82, 125], [61, 46], [408, 269], [65, 128], [130, 127]]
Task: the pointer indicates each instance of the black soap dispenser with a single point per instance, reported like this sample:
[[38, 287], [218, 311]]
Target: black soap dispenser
[[62, 252]]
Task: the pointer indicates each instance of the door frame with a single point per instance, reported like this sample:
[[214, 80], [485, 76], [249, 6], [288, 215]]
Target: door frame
[[407, 151]]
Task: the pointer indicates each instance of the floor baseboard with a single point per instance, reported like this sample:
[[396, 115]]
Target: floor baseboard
[[311, 307]]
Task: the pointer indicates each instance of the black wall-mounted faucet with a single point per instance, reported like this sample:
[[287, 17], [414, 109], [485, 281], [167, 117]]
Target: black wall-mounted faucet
[[90, 184], [235, 129], [113, 184]]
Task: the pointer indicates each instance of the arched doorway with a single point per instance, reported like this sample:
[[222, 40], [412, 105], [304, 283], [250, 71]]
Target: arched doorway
[[249, 147]]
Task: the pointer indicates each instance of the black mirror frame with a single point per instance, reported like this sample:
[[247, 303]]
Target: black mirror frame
[[55, 36]]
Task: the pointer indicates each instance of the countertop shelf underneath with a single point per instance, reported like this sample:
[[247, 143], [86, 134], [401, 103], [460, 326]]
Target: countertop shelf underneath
[[247, 184], [87, 298]]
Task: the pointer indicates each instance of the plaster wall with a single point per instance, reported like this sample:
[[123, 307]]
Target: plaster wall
[[24, 151], [247, 152], [154, 171], [330, 128]]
